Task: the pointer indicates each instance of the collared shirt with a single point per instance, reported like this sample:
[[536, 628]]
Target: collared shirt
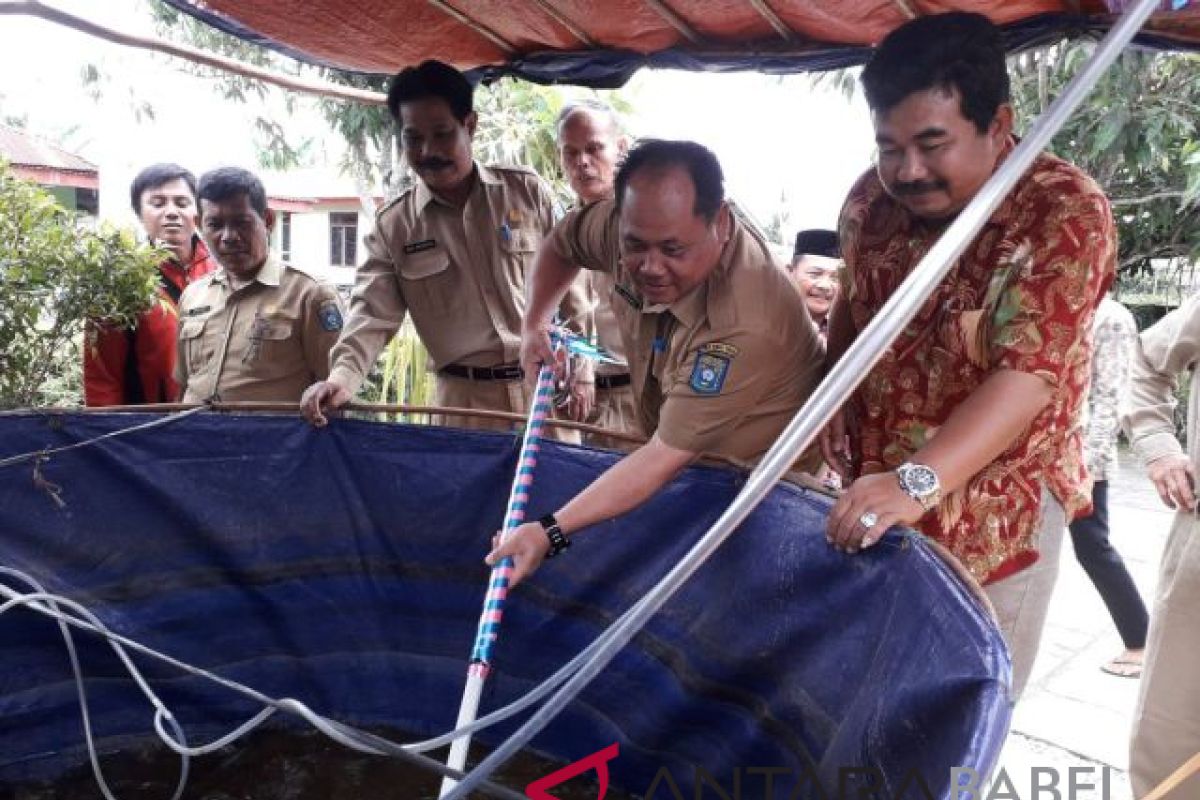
[[724, 368], [1113, 333], [137, 365], [607, 326], [1166, 349], [460, 273], [267, 340], [1021, 298]]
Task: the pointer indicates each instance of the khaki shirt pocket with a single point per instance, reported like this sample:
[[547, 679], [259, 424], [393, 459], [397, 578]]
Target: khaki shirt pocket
[[272, 346], [277, 331], [427, 283], [197, 349], [518, 249]]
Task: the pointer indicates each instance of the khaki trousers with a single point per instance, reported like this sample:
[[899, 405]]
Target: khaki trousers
[[1022, 600], [489, 396], [1166, 722], [615, 411]]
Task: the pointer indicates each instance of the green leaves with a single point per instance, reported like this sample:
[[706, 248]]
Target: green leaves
[[1138, 135], [57, 271]]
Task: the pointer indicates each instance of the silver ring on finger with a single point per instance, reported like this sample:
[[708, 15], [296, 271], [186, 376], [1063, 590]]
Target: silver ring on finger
[[868, 520]]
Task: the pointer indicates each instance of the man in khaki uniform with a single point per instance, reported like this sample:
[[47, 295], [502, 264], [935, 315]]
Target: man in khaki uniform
[[720, 346], [590, 145], [1166, 721], [256, 329], [453, 252]]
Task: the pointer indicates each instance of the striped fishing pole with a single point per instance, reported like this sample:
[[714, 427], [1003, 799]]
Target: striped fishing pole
[[518, 503], [493, 604]]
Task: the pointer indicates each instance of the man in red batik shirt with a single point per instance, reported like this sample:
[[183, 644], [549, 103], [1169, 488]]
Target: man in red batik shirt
[[130, 366], [968, 428]]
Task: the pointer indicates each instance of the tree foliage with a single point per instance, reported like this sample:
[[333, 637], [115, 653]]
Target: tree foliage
[[55, 273], [516, 119], [1138, 135]]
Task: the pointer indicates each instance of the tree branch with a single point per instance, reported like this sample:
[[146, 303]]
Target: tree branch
[[1120, 202], [34, 8]]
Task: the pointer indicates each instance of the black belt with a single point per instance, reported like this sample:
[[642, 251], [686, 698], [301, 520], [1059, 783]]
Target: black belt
[[504, 372], [613, 381]]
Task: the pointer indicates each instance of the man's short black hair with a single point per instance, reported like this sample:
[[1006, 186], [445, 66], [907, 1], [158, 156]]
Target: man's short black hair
[[154, 176], [817, 242], [226, 183], [432, 79], [698, 160], [959, 50]]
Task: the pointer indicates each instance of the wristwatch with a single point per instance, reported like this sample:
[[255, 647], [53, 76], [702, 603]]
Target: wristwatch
[[558, 539], [920, 483]]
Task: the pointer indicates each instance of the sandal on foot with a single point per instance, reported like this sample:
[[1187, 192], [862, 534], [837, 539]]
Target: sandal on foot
[[1124, 667]]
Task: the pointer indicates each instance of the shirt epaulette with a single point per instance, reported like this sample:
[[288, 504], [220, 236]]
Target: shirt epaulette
[[301, 270], [390, 203], [517, 168]]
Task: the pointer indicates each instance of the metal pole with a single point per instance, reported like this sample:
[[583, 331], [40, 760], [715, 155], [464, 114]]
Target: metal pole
[[837, 387]]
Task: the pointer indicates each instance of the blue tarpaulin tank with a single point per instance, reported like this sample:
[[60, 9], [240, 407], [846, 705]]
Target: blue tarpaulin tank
[[344, 567]]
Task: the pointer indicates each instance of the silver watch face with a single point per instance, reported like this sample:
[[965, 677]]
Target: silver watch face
[[918, 480]]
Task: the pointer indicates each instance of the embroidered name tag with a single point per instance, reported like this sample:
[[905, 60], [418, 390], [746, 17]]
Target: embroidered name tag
[[711, 367], [198, 310], [419, 247]]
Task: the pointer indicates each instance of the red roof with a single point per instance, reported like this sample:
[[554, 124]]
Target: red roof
[[24, 150], [600, 43]]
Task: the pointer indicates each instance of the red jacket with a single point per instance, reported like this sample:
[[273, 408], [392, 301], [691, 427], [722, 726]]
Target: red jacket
[[130, 366]]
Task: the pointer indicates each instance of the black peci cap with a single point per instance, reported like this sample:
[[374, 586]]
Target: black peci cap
[[817, 243]]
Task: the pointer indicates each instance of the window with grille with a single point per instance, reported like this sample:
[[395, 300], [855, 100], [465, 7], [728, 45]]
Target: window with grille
[[343, 239], [285, 236]]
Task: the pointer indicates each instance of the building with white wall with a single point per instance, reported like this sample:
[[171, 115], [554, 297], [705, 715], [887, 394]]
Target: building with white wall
[[320, 223]]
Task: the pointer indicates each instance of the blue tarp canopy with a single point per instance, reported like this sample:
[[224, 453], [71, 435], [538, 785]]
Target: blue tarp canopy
[[344, 567]]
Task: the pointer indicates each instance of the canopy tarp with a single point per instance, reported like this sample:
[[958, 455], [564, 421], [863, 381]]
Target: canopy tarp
[[601, 44], [344, 567]]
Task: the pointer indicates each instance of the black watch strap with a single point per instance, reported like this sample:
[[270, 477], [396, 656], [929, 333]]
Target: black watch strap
[[558, 539]]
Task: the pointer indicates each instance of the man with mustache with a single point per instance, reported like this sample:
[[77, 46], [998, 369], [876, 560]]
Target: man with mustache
[[590, 145], [721, 350], [453, 252], [130, 366], [968, 428], [814, 271], [256, 329]]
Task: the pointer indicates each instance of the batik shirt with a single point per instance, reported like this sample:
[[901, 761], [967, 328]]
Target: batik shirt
[[1021, 297], [1114, 333]]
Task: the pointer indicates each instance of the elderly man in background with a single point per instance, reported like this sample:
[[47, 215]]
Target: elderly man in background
[[591, 144]]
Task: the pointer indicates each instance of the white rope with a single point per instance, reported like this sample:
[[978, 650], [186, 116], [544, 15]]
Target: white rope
[[37, 455], [52, 605], [161, 711]]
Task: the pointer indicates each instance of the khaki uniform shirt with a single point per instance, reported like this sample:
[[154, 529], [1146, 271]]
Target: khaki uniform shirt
[[724, 368], [268, 340], [460, 273], [608, 327]]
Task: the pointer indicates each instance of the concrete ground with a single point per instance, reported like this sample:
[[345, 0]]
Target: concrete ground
[[1073, 716]]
